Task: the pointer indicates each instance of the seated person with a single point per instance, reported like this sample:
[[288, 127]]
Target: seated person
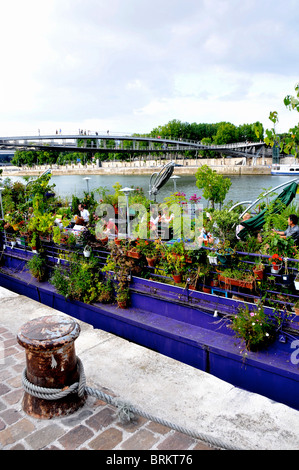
[[110, 228], [84, 213], [292, 230]]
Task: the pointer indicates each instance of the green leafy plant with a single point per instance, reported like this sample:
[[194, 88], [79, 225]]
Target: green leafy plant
[[106, 292], [37, 267], [215, 186], [80, 280], [122, 296], [253, 327]]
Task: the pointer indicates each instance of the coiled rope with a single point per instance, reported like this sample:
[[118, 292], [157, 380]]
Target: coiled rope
[[126, 412]]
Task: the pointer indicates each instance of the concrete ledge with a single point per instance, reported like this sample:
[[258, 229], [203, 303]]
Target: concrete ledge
[[169, 389]]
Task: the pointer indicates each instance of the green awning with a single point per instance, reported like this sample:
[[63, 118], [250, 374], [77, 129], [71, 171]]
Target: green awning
[[256, 223]]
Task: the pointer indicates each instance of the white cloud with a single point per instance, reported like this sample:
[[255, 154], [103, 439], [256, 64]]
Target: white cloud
[[131, 65]]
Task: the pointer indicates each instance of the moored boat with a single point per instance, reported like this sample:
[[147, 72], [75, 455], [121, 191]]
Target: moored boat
[[281, 169]]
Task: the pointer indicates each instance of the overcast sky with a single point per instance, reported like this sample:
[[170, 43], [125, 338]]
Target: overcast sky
[[131, 65]]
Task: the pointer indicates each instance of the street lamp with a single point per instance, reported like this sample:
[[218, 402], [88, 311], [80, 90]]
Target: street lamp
[[174, 178], [87, 179], [126, 192]]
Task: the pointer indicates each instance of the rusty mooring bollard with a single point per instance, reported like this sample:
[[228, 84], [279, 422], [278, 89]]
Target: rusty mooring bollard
[[51, 363]]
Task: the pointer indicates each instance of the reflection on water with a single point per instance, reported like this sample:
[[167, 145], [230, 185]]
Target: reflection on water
[[243, 188]]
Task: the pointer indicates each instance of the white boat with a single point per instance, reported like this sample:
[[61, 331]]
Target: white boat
[[284, 169]]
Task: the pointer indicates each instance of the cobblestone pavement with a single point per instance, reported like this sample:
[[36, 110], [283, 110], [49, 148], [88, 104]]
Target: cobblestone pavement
[[95, 426]]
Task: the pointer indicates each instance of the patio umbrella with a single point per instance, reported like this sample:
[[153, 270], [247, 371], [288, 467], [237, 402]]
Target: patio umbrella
[[256, 223]]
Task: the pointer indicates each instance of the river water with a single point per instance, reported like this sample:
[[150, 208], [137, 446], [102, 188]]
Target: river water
[[243, 188]]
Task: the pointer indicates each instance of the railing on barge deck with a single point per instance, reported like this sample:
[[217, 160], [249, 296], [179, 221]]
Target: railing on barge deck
[[57, 254]]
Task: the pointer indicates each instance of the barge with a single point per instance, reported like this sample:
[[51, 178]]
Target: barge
[[190, 326]]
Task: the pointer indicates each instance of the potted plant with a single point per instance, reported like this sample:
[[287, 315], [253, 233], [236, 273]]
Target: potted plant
[[37, 267], [106, 292], [258, 270], [296, 307], [87, 251], [122, 296], [276, 263], [236, 277], [296, 282], [148, 249], [253, 327], [286, 277], [134, 250], [56, 235], [212, 257], [175, 266]]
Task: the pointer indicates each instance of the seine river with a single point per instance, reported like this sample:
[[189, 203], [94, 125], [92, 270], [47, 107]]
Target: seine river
[[243, 188]]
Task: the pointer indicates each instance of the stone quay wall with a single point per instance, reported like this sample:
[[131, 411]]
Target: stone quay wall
[[225, 166]]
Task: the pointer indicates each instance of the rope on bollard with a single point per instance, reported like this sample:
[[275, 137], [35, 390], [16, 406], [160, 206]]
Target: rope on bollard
[[126, 412]]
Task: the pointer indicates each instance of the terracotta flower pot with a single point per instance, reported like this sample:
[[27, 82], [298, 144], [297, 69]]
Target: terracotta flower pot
[[177, 278], [151, 261], [259, 273], [133, 254]]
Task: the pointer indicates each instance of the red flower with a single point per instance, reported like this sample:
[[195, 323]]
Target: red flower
[[275, 259]]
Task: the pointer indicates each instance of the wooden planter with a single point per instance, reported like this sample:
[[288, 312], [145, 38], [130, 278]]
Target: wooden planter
[[206, 290], [236, 282], [133, 254], [45, 238]]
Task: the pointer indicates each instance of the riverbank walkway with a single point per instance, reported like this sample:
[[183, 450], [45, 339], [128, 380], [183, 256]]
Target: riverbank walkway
[[170, 391]]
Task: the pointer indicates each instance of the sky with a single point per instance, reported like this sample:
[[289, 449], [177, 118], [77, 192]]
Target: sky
[[128, 66]]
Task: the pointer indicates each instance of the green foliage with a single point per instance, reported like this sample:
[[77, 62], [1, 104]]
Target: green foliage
[[215, 187], [223, 225], [255, 328], [80, 281], [106, 292], [288, 142], [37, 267], [226, 133]]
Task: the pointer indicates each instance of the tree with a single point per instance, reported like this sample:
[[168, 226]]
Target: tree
[[227, 133], [215, 187], [287, 142]]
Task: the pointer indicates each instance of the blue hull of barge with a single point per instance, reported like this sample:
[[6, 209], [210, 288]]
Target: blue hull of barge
[[179, 324]]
